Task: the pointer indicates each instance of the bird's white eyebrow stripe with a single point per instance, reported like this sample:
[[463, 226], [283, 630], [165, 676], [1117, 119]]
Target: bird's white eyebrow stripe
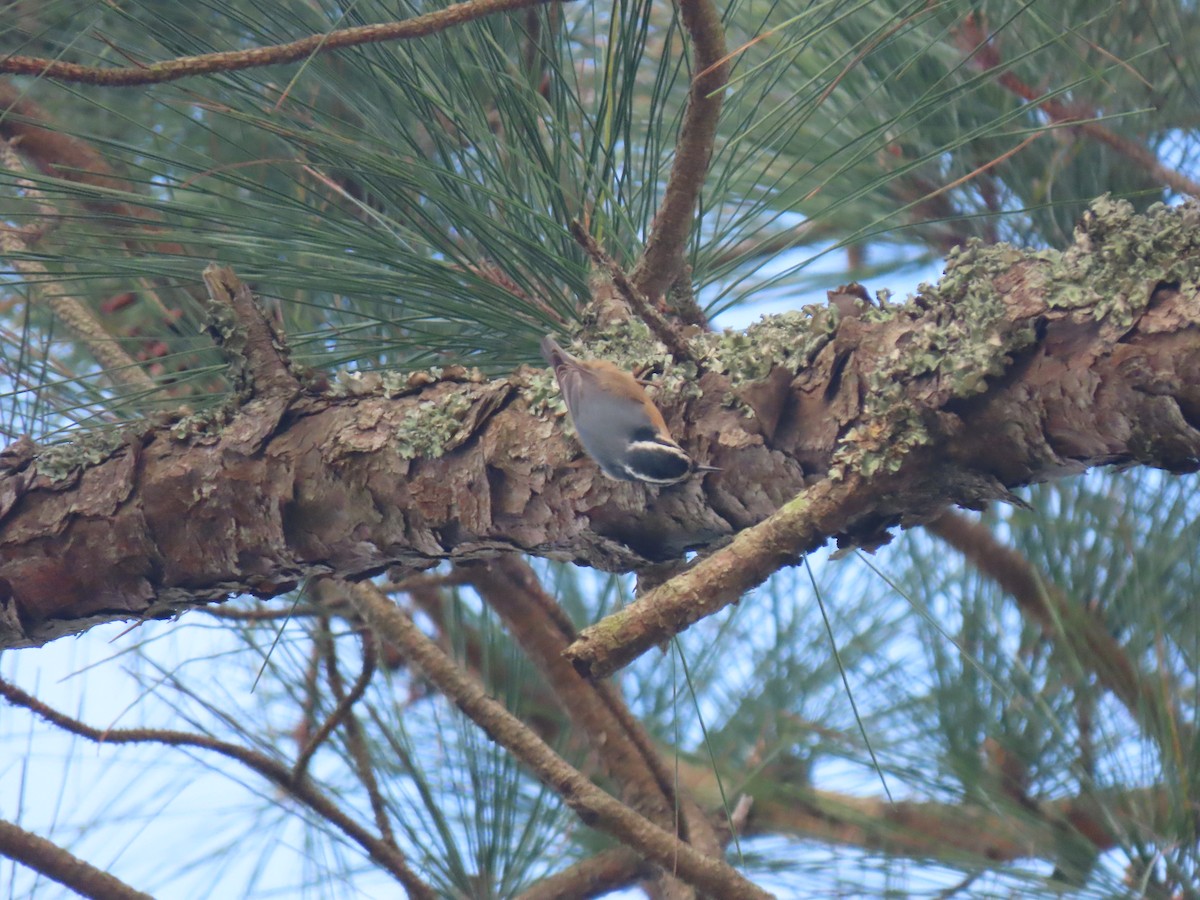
[[658, 444]]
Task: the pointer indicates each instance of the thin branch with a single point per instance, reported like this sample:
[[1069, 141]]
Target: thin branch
[[45, 143], [345, 701], [310, 696], [953, 832], [48, 146], [638, 302], [663, 255], [511, 587], [62, 866], [1136, 153], [356, 740], [985, 55], [53, 151], [236, 60], [595, 807], [274, 771]]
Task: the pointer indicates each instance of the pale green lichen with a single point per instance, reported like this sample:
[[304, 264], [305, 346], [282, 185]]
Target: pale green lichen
[[542, 394], [1118, 257], [630, 345], [958, 341], [433, 427], [791, 339], [963, 336], [59, 462], [206, 421], [355, 384]]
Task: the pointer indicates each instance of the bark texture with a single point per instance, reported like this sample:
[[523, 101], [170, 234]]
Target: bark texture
[[1016, 367]]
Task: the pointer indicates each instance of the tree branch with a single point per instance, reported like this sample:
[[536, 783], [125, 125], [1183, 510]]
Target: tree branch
[[638, 302], [300, 789], [256, 349], [345, 701], [722, 578], [663, 255], [1016, 367], [594, 807], [511, 588], [79, 320], [62, 866], [986, 57], [957, 833], [595, 876], [235, 60]]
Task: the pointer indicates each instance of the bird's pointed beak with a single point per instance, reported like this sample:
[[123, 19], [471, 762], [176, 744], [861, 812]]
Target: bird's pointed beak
[[555, 355]]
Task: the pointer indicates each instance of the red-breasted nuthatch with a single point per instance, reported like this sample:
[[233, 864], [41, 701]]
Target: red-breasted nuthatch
[[618, 425]]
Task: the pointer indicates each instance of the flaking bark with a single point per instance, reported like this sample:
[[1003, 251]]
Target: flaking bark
[[1016, 368]]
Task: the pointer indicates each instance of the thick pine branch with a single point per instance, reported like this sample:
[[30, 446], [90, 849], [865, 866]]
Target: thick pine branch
[[1017, 367]]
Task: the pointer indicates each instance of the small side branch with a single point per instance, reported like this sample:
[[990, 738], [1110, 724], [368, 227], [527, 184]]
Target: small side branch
[[638, 302], [250, 338], [663, 256], [60, 865], [718, 580], [598, 711], [345, 701], [235, 60], [608, 870]]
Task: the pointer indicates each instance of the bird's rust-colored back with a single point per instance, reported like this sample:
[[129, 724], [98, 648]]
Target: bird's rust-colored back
[[614, 381]]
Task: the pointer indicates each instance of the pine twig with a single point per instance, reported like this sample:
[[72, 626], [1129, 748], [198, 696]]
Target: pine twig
[[638, 302], [720, 579], [236, 60]]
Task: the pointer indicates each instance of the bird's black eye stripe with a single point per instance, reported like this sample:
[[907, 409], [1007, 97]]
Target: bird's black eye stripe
[[645, 433], [657, 462]]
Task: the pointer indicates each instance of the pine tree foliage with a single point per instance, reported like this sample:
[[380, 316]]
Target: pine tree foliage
[[998, 704]]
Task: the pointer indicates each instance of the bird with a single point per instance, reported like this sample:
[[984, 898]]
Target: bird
[[618, 425]]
